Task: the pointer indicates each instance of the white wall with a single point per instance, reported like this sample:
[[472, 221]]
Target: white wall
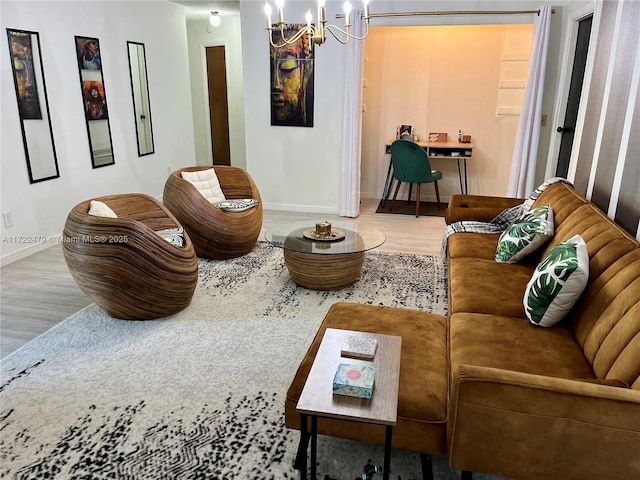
[[40, 209], [227, 35], [295, 168], [299, 168]]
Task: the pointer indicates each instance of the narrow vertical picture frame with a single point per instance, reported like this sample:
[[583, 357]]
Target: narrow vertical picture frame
[[94, 98], [25, 54], [292, 77]]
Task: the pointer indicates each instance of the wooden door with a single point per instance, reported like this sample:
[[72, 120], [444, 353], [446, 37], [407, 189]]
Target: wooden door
[[218, 105]]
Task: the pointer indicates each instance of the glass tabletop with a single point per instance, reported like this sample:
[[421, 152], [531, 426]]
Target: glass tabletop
[[348, 237]]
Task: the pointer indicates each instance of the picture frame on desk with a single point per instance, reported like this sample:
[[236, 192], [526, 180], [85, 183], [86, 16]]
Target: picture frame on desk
[[437, 137], [403, 130]]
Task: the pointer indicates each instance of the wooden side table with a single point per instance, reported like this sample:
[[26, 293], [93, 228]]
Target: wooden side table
[[317, 398]]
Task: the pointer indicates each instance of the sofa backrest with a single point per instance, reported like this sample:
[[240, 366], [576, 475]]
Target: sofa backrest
[[606, 319]]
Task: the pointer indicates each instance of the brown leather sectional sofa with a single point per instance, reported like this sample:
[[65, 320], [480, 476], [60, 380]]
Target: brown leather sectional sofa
[[496, 394]]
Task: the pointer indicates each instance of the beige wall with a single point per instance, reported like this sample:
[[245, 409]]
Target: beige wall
[[442, 79]]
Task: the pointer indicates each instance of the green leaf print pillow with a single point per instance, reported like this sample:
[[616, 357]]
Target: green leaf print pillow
[[525, 235], [557, 283]]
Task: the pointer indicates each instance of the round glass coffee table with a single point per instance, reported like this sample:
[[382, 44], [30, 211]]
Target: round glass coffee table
[[324, 262]]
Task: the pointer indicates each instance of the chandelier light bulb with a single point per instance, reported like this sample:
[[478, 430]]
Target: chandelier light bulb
[[279, 4], [347, 8], [214, 19]]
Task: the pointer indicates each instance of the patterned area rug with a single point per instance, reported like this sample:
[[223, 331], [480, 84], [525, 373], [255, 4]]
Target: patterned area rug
[[200, 394]]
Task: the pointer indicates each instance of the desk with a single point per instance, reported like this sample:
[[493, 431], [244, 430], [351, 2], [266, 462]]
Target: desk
[[447, 150]]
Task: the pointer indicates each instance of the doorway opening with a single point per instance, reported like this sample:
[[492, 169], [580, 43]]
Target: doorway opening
[[567, 129], [218, 105]]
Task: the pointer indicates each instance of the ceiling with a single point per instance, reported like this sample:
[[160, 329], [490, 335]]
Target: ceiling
[[201, 9]]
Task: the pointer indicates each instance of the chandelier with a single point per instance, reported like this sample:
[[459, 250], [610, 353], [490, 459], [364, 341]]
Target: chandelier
[[317, 33]]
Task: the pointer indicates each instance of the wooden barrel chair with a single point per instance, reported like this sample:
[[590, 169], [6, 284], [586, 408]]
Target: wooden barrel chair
[[126, 267], [216, 233]]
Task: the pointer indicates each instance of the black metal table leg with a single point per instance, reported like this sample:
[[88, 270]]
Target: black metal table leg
[[466, 188], [386, 472], [301, 456], [387, 184], [314, 445], [427, 466], [460, 175]]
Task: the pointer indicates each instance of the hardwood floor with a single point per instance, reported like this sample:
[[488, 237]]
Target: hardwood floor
[[38, 292]]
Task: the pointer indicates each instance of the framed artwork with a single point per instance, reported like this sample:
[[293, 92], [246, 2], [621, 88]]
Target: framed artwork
[[403, 130], [292, 74], [437, 137], [24, 74], [88, 51], [33, 105], [94, 100]]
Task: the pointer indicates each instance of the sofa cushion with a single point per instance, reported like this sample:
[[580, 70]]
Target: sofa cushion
[[525, 235], [484, 286], [206, 181], [564, 200], [473, 245], [509, 343], [557, 283]]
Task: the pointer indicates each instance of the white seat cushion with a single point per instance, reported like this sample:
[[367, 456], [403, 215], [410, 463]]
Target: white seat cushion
[[206, 181]]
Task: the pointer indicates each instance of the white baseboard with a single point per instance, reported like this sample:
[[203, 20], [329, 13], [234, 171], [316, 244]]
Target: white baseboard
[[30, 250]]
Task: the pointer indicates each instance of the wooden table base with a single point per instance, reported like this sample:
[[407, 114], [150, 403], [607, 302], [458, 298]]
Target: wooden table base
[[324, 272]]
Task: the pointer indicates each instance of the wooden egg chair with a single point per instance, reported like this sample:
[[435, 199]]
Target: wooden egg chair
[[216, 233], [123, 264]]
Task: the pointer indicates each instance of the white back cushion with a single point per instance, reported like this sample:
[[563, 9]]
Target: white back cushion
[[206, 181]]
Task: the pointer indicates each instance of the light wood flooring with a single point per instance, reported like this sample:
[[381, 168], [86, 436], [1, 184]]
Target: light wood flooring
[[38, 292]]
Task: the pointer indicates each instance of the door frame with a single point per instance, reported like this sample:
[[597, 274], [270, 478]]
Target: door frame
[[205, 91], [564, 84]]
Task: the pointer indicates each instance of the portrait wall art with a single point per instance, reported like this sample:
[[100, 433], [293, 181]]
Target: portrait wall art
[[292, 73], [94, 100], [24, 74]]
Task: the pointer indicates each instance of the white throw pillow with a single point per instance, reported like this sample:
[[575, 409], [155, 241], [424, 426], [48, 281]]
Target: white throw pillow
[[206, 181], [557, 283], [525, 235], [100, 209]]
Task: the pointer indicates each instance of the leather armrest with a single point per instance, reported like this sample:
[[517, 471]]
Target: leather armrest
[[520, 425]]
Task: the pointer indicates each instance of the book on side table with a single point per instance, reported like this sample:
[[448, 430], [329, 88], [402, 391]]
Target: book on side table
[[354, 380], [359, 347]]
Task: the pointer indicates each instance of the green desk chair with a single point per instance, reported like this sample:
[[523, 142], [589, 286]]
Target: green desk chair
[[411, 165]]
